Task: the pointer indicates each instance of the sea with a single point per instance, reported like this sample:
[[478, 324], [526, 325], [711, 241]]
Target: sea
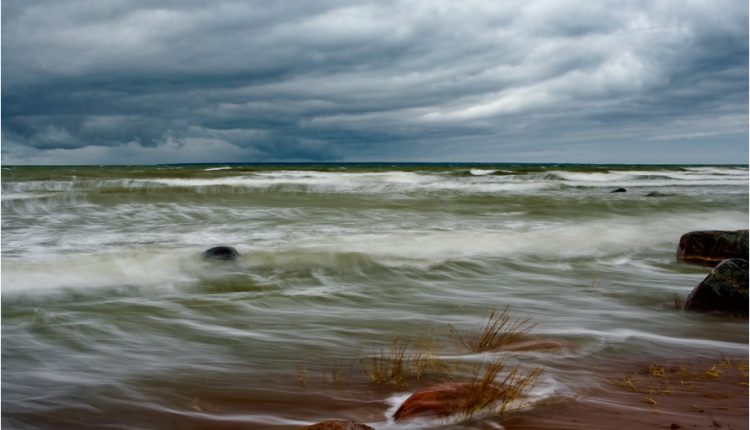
[[112, 319]]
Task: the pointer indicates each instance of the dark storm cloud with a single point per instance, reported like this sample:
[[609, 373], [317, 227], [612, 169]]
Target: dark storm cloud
[[180, 81]]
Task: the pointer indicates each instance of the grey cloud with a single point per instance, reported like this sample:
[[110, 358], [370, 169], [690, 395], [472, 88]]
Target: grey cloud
[[322, 80]]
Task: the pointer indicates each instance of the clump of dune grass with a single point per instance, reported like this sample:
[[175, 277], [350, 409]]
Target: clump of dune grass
[[498, 330], [496, 387], [399, 364], [389, 367], [517, 384], [423, 364]]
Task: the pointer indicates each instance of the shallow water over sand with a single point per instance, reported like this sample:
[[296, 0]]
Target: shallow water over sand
[[111, 319]]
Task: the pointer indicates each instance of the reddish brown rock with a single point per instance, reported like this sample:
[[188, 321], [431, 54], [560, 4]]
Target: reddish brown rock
[[439, 401], [725, 289], [337, 425], [709, 248]]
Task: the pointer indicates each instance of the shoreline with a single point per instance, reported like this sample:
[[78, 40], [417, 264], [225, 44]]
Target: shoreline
[[636, 390], [668, 394]]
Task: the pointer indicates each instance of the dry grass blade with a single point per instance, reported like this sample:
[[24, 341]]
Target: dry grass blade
[[487, 390], [497, 330], [516, 385], [424, 364], [482, 392], [390, 367]]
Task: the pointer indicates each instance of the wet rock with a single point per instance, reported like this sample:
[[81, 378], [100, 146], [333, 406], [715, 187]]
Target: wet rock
[[439, 401], [619, 190], [337, 425], [709, 248], [723, 290], [221, 253]]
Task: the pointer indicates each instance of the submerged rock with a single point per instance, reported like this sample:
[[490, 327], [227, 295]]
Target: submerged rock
[[337, 425], [709, 248], [723, 290], [619, 190], [221, 253], [440, 401]]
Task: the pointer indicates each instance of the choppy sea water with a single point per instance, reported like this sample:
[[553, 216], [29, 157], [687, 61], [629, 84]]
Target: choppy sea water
[[110, 319]]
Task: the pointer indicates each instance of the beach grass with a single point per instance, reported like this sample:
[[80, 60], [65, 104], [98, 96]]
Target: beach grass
[[496, 388], [497, 330], [390, 367]]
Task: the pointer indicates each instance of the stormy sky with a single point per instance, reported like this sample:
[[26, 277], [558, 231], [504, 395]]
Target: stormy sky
[[131, 82]]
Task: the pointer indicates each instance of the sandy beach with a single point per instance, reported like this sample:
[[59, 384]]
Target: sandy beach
[[673, 394]]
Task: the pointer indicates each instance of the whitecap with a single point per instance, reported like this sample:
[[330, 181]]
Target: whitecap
[[481, 172]]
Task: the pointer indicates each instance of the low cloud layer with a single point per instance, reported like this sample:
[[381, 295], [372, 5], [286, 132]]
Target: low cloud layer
[[86, 81]]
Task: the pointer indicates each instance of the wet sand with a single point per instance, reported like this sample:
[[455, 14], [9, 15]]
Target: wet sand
[[688, 394]]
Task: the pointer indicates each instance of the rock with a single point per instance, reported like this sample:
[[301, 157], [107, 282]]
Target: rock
[[442, 400], [337, 425], [709, 248], [619, 190], [221, 253], [723, 290]]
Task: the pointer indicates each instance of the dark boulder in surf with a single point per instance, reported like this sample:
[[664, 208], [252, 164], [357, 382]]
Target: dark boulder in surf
[[337, 425], [444, 400], [723, 290], [619, 190], [709, 248], [220, 253]]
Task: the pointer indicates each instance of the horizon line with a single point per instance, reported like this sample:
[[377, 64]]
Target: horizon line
[[455, 163]]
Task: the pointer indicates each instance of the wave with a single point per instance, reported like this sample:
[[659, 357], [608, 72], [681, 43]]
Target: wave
[[481, 172], [86, 271], [615, 237], [624, 336], [26, 196], [364, 183], [482, 181], [650, 178]]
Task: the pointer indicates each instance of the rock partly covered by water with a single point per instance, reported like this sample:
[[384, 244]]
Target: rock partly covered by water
[[221, 253], [709, 248], [619, 190], [441, 400], [337, 425], [723, 290]]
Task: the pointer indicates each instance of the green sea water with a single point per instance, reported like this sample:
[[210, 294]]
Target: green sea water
[[111, 319]]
